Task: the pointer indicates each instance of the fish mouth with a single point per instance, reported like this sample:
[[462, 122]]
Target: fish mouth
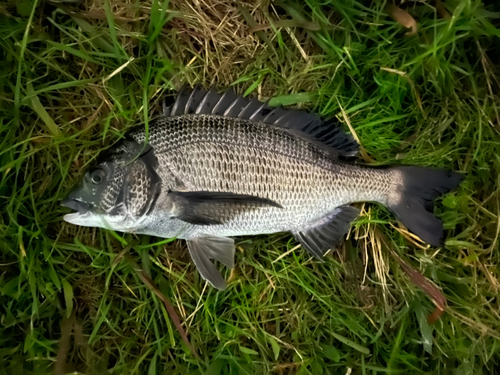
[[80, 207]]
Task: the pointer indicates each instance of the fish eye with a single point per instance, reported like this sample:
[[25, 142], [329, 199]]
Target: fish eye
[[97, 176]]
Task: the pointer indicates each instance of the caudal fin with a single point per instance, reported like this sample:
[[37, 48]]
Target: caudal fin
[[421, 186]]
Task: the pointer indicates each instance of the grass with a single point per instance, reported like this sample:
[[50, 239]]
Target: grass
[[75, 76]]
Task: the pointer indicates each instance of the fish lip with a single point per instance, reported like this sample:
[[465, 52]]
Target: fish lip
[[70, 218], [76, 205]]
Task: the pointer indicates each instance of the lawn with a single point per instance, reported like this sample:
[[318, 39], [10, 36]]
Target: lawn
[[417, 83]]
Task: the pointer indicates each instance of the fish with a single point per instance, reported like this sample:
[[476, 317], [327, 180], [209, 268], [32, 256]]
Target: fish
[[218, 165]]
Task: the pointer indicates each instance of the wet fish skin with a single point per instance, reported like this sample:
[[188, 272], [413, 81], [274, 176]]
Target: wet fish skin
[[217, 166], [209, 153]]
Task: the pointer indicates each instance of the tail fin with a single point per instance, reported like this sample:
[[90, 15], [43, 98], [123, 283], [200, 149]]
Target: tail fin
[[414, 209]]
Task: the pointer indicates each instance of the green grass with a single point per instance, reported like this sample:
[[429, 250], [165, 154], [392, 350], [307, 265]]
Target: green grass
[[74, 77]]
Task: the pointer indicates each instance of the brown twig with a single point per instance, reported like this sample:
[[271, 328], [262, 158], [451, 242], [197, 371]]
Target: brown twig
[[148, 281], [64, 344], [423, 283]]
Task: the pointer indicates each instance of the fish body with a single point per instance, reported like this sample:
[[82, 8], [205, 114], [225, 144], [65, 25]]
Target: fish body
[[217, 154], [216, 166]]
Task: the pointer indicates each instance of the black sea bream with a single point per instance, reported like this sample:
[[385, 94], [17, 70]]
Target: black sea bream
[[219, 165]]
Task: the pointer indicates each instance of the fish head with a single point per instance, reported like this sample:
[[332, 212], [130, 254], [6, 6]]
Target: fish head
[[118, 191], [95, 196]]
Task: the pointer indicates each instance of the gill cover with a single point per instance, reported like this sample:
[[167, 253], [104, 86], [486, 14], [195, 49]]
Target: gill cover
[[141, 185]]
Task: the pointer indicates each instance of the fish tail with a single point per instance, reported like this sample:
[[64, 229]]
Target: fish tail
[[412, 200]]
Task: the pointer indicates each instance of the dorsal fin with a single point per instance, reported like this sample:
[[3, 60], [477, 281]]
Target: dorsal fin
[[326, 133]]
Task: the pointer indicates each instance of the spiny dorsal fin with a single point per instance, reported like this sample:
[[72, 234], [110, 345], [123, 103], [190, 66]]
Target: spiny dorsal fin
[[326, 133]]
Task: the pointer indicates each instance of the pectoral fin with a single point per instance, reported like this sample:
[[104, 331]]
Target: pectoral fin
[[203, 249], [212, 208], [328, 231]]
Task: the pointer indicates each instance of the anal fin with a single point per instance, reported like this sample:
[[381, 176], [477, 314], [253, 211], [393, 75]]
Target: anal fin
[[327, 232], [204, 249]]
